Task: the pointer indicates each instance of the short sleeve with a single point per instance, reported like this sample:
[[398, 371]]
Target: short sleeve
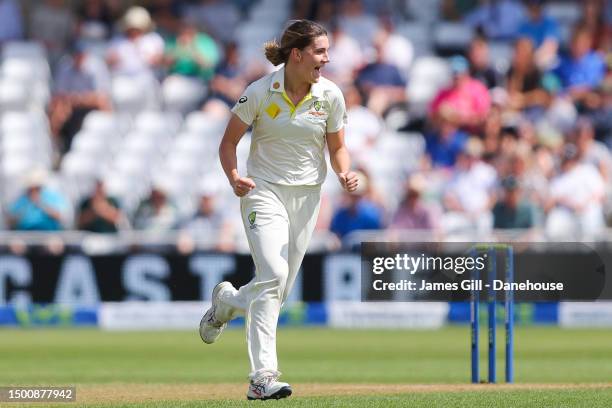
[[247, 105], [337, 115]]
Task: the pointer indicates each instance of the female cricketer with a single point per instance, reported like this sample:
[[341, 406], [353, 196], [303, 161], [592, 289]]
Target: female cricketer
[[293, 112]]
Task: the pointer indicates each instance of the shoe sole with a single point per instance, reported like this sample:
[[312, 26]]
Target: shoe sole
[[282, 393], [214, 296]]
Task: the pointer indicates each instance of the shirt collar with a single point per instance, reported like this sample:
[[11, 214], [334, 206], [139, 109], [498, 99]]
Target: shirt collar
[[278, 84]]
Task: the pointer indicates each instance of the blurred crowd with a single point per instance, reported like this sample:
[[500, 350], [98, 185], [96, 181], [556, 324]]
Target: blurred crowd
[[464, 116]]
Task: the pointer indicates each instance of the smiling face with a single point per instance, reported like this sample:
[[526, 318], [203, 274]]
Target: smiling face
[[311, 59]]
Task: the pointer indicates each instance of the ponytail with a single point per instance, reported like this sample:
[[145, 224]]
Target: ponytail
[[274, 53]]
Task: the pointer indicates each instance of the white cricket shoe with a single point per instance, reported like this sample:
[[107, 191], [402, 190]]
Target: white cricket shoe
[[215, 319], [266, 387]]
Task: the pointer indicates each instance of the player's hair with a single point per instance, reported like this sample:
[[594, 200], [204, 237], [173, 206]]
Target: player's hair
[[299, 34]]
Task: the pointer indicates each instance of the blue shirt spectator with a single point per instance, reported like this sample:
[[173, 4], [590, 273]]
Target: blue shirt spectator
[[380, 74], [444, 147], [538, 26], [360, 214], [499, 20], [582, 67], [39, 208], [587, 71]]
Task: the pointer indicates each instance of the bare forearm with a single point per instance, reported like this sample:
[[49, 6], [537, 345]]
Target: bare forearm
[[229, 161], [340, 160]]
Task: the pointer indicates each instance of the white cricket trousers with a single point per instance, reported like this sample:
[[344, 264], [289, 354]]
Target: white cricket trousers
[[279, 221]]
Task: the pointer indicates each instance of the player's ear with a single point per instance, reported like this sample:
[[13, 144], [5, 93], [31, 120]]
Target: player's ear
[[297, 54]]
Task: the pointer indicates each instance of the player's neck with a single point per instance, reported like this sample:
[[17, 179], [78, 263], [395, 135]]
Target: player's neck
[[293, 85]]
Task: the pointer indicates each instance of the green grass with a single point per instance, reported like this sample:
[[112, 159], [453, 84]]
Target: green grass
[[318, 355]]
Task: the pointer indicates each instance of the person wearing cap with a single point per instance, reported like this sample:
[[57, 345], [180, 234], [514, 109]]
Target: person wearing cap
[[294, 113], [512, 211], [139, 52], [466, 102], [39, 208]]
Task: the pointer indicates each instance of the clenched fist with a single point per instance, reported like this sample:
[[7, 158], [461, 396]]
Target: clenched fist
[[349, 181], [242, 185]]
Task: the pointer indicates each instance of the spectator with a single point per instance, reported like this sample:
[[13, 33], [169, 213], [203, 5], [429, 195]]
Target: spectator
[[576, 199], [357, 23], [454, 10], [40, 208], [499, 20], [209, 221], [192, 54], [94, 21], [156, 213], [100, 213], [363, 125], [220, 18], [594, 17], [357, 212], [412, 212], [543, 31], [592, 151], [139, 52], [167, 15], [53, 24], [480, 66], [230, 79], [397, 49], [445, 144], [582, 70], [80, 87], [524, 81], [513, 211], [11, 21], [466, 102], [382, 84], [345, 57], [469, 194]]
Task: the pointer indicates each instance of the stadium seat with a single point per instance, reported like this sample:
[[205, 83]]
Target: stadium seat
[[90, 143], [134, 94], [565, 12], [181, 94], [102, 122], [424, 11], [162, 123], [427, 76], [23, 49], [451, 38], [419, 35], [14, 95], [205, 125]]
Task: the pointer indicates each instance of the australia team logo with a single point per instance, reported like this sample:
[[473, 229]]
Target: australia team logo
[[252, 217], [316, 110]]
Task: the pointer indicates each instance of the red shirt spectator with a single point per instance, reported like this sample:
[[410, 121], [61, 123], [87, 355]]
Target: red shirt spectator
[[466, 102]]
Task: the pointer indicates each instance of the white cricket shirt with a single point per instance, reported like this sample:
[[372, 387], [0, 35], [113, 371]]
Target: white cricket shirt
[[287, 141]]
